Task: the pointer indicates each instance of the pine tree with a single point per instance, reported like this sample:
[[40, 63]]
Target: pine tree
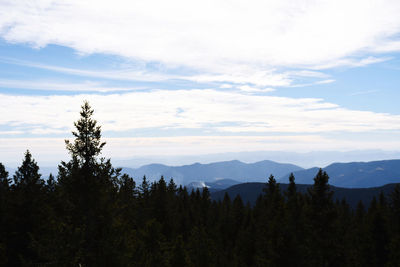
[[179, 257], [394, 246], [88, 186], [4, 190], [51, 183], [378, 230], [359, 249], [395, 206], [292, 190], [4, 180], [87, 144], [202, 250], [29, 213], [144, 188], [320, 193], [4, 213], [272, 187], [321, 240], [27, 176], [293, 234], [270, 231]]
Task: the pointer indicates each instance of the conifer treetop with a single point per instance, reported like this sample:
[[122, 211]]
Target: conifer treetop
[[28, 172], [87, 144]]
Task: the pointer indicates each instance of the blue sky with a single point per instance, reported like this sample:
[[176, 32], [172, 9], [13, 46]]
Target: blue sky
[[200, 77]]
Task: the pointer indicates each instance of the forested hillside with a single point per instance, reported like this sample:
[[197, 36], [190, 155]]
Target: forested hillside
[[249, 192], [91, 215]]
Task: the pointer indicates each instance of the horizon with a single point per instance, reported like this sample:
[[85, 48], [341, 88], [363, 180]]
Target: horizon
[[268, 76], [305, 161]]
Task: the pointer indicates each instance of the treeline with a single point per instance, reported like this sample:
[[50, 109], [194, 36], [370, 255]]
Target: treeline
[[91, 215]]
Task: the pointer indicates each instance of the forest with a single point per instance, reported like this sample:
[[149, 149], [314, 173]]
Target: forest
[[90, 214]]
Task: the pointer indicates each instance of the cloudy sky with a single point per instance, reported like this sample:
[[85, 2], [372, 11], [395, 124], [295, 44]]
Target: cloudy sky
[[200, 77]]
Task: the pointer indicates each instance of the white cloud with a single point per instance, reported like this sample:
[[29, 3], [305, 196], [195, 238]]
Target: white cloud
[[11, 132], [307, 73], [226, 86], [246, 75], [216, 111], [237, 74], [249, 89], [222, 38], [327, 81], [118, 74], [366, 92], [351, 62]]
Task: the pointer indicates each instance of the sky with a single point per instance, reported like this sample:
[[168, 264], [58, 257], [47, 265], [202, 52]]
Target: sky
[[176, 78]]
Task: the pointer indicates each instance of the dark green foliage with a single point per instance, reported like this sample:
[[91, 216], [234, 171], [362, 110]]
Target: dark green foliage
[[88, 188], [27, 176], [4, 212], [321, 220], [394, 227], [27, 227], [4, 180], [93, 216], [87, 144]]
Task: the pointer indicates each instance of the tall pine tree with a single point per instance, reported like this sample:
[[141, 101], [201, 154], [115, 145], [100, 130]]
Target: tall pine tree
[[29, 214], [321, 238], [88, 186]]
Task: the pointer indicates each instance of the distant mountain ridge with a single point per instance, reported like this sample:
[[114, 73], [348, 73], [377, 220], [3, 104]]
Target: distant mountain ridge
[[234, 170], [349, 175], [353, 174]]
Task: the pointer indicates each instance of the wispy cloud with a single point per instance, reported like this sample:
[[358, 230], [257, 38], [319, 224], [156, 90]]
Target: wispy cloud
[[11, 132], [351, 62], [249, 89], [366, 92], [327, 81], [238, 75], [211, 37], [126, 73], [63, 86]]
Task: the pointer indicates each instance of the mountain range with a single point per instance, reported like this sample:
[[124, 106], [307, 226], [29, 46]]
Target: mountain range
[[348, 175], [212, 172], [221, 175], [304, 159], [353, 174]]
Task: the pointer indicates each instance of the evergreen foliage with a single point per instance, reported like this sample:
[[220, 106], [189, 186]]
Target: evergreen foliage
[[90, 215]]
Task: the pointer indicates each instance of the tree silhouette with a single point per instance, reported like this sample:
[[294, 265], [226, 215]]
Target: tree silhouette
[[4, 212], [322, 215], [4, 180], [27, 176], [88, 186], [29, 211], [87, 144]]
